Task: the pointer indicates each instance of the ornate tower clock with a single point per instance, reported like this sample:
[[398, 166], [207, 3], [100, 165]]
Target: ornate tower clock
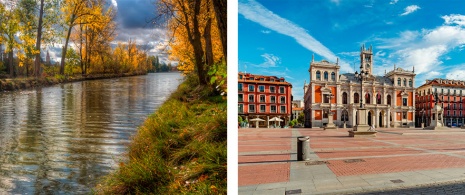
[[366, 59]]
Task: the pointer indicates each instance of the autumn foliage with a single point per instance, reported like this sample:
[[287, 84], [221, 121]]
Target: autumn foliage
[[197, 38], [87, 29]]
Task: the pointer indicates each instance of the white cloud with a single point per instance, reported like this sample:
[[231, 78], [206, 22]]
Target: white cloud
[[336, 1], [426, 49], [433, 74], [455, 19], [410, 9], [405, 37], [424, 58], [114, 3], [266, 31], [457, 73], [270, 61], [380, 53], [393, 2], [255, 12]]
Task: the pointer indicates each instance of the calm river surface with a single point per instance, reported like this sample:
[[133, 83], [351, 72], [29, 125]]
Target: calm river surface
[[62, 139]]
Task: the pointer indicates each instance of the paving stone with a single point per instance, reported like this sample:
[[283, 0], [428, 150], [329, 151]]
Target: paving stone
[[277, 191], [427, 163]]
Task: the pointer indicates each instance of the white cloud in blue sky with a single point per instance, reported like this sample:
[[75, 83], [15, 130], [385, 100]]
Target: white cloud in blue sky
[[255, 12], [410, 9], [393, 2], [427, 35]]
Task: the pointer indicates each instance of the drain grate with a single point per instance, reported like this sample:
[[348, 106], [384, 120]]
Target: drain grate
[[309, 163], [397, 181], [354, 160], [298, 191]]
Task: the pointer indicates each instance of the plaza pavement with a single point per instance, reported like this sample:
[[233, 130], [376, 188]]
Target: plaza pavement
[[395, 161]]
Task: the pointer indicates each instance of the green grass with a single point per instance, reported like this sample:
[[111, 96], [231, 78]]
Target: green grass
[[181, 149]]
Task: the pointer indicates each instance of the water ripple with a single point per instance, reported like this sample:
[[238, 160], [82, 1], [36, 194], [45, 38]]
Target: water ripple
[[61, 139]]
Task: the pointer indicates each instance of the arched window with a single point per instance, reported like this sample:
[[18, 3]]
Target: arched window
[[398, 81], [318, 75], [389, 99], [333, 76], [410, 82], [344, 98], [367, 98], [356, 99], [405, 82], [325, 76], [378, 98]]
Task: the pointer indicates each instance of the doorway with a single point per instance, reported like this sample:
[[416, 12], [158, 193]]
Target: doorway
[[369, 118]]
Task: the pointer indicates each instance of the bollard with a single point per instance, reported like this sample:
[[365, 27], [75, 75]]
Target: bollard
[[303, 148]]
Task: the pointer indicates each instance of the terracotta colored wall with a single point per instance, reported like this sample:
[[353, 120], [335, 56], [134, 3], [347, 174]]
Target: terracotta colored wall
[[317, 94], [398, 98], [410, 116], [318, 115], [333, 91], [399, 116], [334, 115]]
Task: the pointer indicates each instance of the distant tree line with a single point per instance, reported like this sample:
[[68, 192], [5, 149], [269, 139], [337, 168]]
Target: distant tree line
[[158, 66]]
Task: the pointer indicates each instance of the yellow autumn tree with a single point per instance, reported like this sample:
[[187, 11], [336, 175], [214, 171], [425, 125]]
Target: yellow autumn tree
[[196, 39]]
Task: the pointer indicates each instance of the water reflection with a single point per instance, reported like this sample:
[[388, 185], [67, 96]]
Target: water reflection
[[61, 139]]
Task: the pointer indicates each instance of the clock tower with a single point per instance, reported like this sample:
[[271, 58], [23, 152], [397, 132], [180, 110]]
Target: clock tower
[[366, 59]]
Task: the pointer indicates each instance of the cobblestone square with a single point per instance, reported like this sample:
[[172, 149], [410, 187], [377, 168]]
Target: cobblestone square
[[397, 159]]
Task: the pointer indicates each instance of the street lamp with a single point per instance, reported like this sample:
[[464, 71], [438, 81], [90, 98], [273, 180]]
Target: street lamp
[[361, 76]]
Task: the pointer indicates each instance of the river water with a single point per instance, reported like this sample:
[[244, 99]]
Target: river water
[[62, 139]]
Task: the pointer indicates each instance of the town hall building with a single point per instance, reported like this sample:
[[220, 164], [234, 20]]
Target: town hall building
[[389, 99]]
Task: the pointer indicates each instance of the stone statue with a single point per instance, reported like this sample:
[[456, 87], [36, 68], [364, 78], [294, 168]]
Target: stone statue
[[436, 97]]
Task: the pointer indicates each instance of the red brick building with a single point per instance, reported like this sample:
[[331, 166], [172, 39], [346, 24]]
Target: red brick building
[[264, 97], [451, 97]]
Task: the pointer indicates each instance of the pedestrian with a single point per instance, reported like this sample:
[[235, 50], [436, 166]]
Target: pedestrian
[[372, 128]]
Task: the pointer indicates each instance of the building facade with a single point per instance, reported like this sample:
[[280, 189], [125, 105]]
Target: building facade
[[451, 98], [264, 97], [389, 99], [297, 108]]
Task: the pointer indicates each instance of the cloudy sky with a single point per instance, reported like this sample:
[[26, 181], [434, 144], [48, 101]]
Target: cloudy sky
[[134, 22], [278, 37]]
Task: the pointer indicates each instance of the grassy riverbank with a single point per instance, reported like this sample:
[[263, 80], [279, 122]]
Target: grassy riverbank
[[31, 82], [181, 149]]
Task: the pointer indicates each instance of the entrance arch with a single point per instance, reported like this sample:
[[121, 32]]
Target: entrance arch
[[369, 118], [380, 120]]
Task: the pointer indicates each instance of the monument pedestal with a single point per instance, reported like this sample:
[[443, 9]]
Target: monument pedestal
[[330, 124], [436, 123], [362, 129]]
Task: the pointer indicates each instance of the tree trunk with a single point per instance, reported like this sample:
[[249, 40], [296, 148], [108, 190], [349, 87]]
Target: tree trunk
[[221, 8], [208, 42], [39, 38], [197, 45], [10, 62], [63, 56]]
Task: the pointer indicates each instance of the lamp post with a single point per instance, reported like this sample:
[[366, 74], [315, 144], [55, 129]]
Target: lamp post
[[360, 77], [361, 129]]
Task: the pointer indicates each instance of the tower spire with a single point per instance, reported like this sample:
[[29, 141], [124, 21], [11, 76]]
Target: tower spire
[[313, 57]]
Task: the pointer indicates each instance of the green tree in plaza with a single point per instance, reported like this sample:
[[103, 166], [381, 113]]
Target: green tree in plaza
[[301, 118]]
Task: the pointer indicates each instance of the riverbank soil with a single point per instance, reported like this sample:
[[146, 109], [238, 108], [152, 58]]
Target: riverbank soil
[[180, 149], [31, 82]]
